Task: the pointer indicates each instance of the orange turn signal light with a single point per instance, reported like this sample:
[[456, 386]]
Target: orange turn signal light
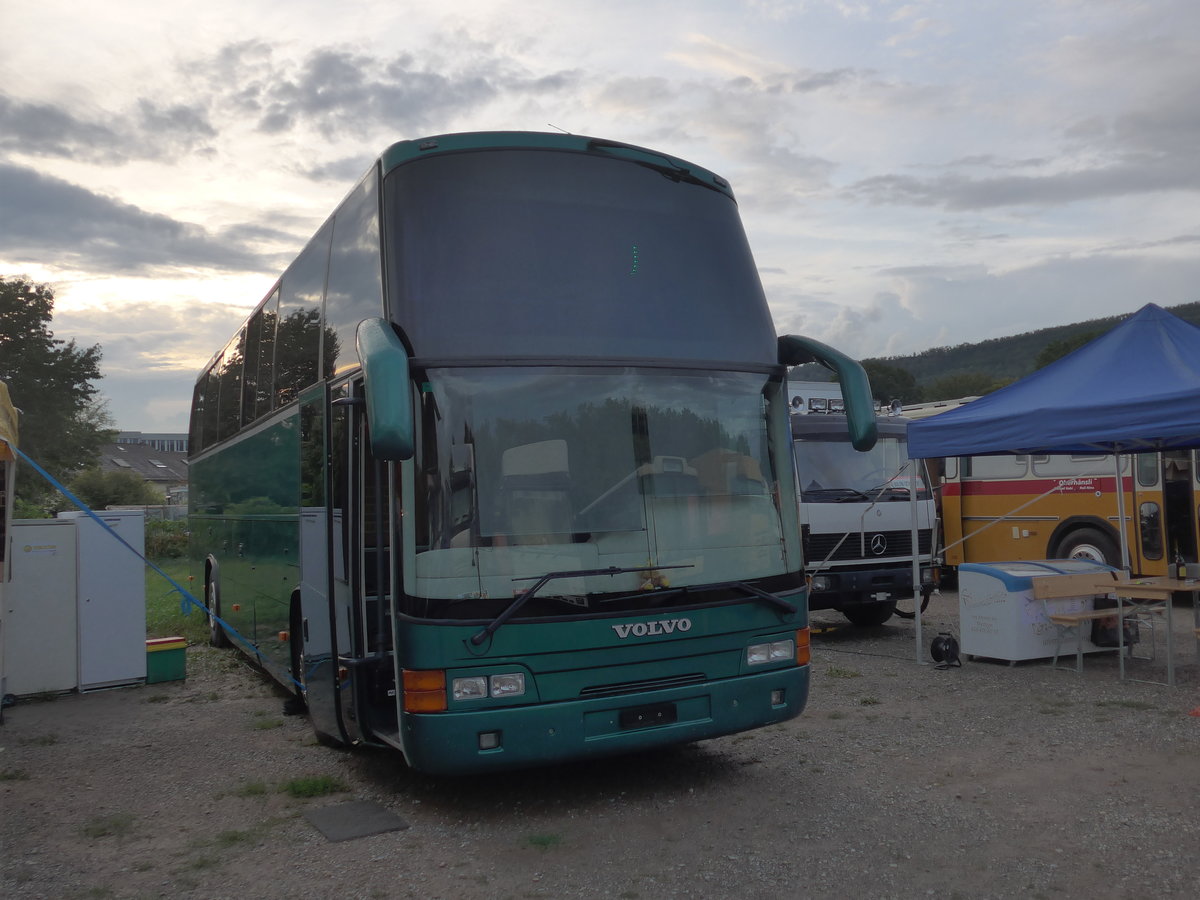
[[803, 647], [424, 690]]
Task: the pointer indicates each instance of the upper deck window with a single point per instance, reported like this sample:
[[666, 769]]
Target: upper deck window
[[552, 254]]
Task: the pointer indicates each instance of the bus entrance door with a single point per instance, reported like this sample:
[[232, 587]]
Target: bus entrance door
[[361, 514]]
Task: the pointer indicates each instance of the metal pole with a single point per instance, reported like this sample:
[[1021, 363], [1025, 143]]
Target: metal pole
[[913, 483], [1124, 537]]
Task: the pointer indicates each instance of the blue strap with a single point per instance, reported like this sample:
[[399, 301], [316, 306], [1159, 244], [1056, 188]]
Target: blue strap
[[187, 601]]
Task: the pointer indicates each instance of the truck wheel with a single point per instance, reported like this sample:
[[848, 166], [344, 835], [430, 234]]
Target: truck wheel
[[1089, 543], [905, 614], [868, 615]]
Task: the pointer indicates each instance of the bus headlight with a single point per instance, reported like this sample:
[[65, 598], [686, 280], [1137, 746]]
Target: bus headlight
[[819, 583], [776, 651], [474, 688], [510, 684], [480, 687]]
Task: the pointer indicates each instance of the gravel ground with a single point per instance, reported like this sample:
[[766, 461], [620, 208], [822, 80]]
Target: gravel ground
[[900, 780]]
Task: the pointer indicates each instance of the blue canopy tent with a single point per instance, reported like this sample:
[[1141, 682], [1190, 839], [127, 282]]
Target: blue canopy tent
[[1134, 389]]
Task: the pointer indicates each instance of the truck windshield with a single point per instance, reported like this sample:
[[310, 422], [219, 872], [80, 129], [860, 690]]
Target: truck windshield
[[529, 471], [829, 470]]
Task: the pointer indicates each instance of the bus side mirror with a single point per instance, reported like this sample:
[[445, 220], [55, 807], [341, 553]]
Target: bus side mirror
[[852, 378], [389, 397]]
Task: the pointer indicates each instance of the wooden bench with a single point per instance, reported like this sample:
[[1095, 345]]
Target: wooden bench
[[1050, 587]]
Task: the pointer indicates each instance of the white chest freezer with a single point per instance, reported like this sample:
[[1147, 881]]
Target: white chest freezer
[[999, 617]]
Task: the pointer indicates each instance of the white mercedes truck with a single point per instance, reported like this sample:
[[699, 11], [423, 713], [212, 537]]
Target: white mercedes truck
[[856, 515]]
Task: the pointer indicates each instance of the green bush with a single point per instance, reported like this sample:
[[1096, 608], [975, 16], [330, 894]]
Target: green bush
[[27, 509], [166, 540]]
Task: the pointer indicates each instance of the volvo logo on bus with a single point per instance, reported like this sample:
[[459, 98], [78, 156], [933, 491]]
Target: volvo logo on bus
[[646, 629], [878, 544]]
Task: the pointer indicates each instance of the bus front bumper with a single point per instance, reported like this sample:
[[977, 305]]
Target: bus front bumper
[[525, 736]]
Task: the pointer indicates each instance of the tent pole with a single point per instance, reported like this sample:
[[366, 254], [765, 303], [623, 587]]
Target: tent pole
[[1121, 529], [913, 482]]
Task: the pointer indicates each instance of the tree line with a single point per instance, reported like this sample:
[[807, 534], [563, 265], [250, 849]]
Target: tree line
[[63, 421], [893, 379]]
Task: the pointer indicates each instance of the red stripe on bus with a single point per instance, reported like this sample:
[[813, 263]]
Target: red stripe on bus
[[1033, 487]]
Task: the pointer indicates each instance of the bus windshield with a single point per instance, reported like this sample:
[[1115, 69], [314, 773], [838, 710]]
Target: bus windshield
[[528, 471], [830, 471]]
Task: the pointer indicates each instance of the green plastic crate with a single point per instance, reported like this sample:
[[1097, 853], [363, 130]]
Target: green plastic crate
[[166, 659]]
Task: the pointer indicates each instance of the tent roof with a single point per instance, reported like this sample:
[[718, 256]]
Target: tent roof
[[1133, 389]]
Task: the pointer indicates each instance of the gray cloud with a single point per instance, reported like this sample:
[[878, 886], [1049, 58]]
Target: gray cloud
[[960, 192], [150, 131], [338, 91], [43, 130], [50, 221]]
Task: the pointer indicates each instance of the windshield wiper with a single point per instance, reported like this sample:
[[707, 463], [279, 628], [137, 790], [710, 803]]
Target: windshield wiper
[[542, 581], [838, 494], [760, 594]]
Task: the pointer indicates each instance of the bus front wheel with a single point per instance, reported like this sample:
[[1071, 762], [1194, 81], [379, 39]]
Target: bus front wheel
[[1091, 544]]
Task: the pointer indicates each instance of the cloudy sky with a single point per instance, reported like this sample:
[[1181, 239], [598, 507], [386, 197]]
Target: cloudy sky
[[911, 174]]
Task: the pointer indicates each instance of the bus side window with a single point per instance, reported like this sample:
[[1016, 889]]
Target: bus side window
[[196, 426], [212, 392], [355, 290], [264, 379], [230, 403], [995, 466], [298, 334], [1147, 469], [250, 368]]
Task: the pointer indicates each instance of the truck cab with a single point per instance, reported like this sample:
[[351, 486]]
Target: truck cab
[[856, 516]]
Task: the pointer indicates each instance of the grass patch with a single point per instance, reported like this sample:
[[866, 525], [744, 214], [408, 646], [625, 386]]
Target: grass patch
[[163, 615], [117, 825], [14, 775], [313, 786], [252, 789], [267, 724], [234, 837], [839, 672], [543, 841], [869, 701], [44, 740]]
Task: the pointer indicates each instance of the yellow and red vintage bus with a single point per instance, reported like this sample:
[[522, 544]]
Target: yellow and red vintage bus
[[1055, 506]]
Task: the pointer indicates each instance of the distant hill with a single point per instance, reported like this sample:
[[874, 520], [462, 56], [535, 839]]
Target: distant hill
[[1004, 358]]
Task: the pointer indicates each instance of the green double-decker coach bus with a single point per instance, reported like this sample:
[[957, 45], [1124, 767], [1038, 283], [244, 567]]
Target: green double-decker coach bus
[[499, 473]]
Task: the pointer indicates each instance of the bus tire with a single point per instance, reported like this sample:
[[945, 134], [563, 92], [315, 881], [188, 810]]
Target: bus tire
[[296, 651], [868, 615], [212, 604], [1089, 543]]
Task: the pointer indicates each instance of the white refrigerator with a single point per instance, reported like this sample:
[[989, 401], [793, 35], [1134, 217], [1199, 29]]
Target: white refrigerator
[[111, 598]]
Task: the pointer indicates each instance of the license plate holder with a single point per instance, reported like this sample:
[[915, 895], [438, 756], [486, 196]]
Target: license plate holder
[[647, 716]]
